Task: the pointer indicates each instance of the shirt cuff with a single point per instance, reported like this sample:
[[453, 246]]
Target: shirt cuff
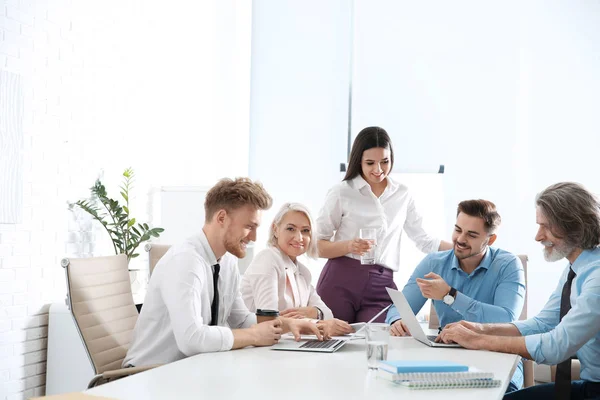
[[523, 327], [436, 244], [392, 315], [461, 303], [226, 338], [532, 343]]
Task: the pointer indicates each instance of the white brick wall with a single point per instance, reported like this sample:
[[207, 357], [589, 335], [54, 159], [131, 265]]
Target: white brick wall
[[108, 85], [38, 41]]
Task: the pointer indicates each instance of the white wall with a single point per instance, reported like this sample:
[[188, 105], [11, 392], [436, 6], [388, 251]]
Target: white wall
[[299, 101], [163, 88], [504, 94]]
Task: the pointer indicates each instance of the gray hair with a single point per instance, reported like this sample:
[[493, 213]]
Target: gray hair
[[573, 213], [312, 250]]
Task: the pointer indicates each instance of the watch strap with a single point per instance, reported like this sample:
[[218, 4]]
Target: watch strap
[[452, 292], [319, 313]]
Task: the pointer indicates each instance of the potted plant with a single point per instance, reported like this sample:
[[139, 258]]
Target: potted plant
[[124, 231]]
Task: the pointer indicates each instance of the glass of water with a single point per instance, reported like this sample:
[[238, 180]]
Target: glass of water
[[369, 234], [378, 338]]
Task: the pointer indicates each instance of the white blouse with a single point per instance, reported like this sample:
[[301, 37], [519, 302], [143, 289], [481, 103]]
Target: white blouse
[[273, 281], [352, 205]]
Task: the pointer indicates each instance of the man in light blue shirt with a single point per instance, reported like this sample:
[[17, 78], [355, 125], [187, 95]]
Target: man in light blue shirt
[[473, 281], [569, 227]]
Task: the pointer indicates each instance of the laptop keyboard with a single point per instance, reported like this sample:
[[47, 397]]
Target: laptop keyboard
[[432, 337], [315, 344]]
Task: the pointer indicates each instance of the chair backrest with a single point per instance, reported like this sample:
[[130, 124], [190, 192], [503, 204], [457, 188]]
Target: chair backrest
[[434, 322], [100, 299], [155, 253]]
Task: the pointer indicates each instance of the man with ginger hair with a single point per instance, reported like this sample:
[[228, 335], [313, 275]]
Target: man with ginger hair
[[193, 303]]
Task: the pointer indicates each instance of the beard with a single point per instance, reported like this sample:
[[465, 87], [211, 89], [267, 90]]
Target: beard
[[557, 252], [471, 253], [235, 247]]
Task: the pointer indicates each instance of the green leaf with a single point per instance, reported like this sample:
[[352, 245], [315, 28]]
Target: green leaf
[[124, 196], [126, 209], [136, 231], [146, 226], [131, 222], [134, 255]]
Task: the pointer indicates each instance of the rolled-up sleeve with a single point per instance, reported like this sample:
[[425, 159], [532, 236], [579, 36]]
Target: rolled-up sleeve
[[580, 325], [330, 217], [181, 294], [509, 296], [547, 319], [413, 226]]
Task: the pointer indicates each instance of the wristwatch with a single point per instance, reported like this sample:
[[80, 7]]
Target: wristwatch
[[319, 313], [449, 298]]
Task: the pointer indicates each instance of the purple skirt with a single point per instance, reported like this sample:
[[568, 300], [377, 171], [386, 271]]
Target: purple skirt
[[355, 292]]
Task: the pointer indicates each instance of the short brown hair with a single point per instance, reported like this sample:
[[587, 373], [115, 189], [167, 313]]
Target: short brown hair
[[231, 194], [483, 209], [572, 212]]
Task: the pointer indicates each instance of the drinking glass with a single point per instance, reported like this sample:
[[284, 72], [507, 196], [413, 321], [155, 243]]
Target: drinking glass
[[378, 339], [369, 234]]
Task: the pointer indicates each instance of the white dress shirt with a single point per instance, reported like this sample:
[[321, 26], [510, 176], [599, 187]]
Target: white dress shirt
[[352, 205], [265, 284], [174, 320]]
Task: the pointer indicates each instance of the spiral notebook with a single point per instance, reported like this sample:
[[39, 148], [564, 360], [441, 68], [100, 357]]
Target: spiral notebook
[[472, 374], [452, 384]]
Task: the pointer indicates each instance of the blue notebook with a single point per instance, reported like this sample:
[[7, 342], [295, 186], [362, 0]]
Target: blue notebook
[[407, 366]]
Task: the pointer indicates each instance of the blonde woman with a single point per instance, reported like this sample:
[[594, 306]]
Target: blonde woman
[[276, 279]]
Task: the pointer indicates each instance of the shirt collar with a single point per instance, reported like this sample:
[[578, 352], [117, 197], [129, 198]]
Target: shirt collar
[[289, 264], [359, 182], [586, 257], [485, 263], [206, 249]]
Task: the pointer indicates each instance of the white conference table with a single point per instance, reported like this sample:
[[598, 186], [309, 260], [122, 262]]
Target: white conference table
[[261, 373]]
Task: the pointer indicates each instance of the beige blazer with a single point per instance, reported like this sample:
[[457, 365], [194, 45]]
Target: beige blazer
[[265, 284]]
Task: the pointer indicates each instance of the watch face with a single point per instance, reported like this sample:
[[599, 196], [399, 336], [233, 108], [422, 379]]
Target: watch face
[[448, 299]]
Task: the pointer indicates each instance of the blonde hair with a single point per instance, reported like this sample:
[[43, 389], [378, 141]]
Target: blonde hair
[[312, 250], [229, 194]]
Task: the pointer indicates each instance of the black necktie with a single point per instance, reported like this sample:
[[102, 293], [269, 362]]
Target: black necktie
[[563, 370], [214, 307]]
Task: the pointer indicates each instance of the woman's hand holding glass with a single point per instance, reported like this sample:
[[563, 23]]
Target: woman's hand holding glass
[[359, 247]]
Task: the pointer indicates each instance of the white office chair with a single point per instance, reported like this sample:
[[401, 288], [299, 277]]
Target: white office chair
[[155, 253], [100, 300]]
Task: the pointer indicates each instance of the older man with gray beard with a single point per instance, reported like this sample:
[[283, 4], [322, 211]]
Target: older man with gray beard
[[569, 325]]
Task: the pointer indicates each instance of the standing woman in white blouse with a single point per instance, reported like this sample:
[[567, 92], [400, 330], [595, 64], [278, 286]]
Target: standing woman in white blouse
[[277, 280], [366, 198]]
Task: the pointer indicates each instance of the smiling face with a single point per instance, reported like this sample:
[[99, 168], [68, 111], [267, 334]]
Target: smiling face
[[555, 248], [470, 237], [376, 164], [293, 234], [240, 229]]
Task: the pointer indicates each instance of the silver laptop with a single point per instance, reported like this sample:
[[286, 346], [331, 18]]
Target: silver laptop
[[411, 322], [326, 346]]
